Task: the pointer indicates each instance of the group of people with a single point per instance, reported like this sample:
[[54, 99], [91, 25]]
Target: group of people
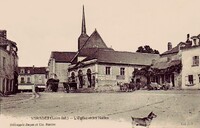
[[127, 87]]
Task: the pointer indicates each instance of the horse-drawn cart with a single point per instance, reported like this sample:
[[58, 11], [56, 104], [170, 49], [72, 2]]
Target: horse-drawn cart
[[70, 86], [52, 84]]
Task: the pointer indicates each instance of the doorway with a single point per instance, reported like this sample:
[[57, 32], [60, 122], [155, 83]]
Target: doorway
[[80, 77], [89, 76]]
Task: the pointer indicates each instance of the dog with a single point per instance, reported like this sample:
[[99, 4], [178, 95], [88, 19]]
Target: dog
[[146, 121]]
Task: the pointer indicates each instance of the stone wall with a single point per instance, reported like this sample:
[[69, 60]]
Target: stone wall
[[7, 68]]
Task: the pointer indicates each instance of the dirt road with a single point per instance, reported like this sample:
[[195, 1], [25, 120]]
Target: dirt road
[[175, 108]]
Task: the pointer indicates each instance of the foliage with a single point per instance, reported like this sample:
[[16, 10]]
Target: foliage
[[148, 71], [147, 49]]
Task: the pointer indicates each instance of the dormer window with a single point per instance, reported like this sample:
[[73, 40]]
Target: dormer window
[[22, 71], [28, 71]]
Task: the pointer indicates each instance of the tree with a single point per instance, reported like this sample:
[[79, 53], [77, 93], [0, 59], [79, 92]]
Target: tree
[[147, 49], [140, 49], [156, 52]]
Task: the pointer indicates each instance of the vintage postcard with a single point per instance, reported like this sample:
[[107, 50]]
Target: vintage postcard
[[99, 64]]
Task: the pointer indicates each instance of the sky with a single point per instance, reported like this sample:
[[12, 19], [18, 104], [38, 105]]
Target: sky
[[41, 26]]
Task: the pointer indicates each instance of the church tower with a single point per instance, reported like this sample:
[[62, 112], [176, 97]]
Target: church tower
[[83, 37]]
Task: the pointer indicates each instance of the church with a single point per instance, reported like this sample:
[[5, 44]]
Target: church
[[95, 65]]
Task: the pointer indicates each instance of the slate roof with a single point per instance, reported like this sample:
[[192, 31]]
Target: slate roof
[[176, 49], [91, 51], [95, 48], [63, 57], [172, 51], [119, 57], [95, 41], [39, 70], [32, 70], [164, 64], [92, 44]]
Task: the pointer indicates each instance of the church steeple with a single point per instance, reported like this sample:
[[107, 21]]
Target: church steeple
[[83, 37], [83, 31]]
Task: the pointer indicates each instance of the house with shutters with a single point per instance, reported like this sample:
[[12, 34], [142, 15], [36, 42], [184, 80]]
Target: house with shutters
[[191, 65], [31, 77], [178, 66]]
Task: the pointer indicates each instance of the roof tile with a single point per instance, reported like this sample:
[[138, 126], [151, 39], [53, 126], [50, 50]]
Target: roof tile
[[62, 56]]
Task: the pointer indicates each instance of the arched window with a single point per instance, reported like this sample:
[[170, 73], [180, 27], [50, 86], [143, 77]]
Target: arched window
[[22, 80], [72, 74], [80, 77], [80, 73], [89, 76], [89, 71]]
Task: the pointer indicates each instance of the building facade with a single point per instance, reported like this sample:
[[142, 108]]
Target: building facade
[[94, 64], [108, 68], [31, 77], [178, 66], [58, 65], [191, 67], [8, 64], [167, 69]]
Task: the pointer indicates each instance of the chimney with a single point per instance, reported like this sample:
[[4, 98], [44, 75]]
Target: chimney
[[188, 36], [199, 38], [3, 33], [169, 46], [195, 41], [199, 41]]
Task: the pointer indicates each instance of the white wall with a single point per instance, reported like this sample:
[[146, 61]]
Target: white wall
[[25, 79], [189, 69], [61, 70], [51, 67], [40, 79], [115, 70], [99, 71], [35, 79]]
